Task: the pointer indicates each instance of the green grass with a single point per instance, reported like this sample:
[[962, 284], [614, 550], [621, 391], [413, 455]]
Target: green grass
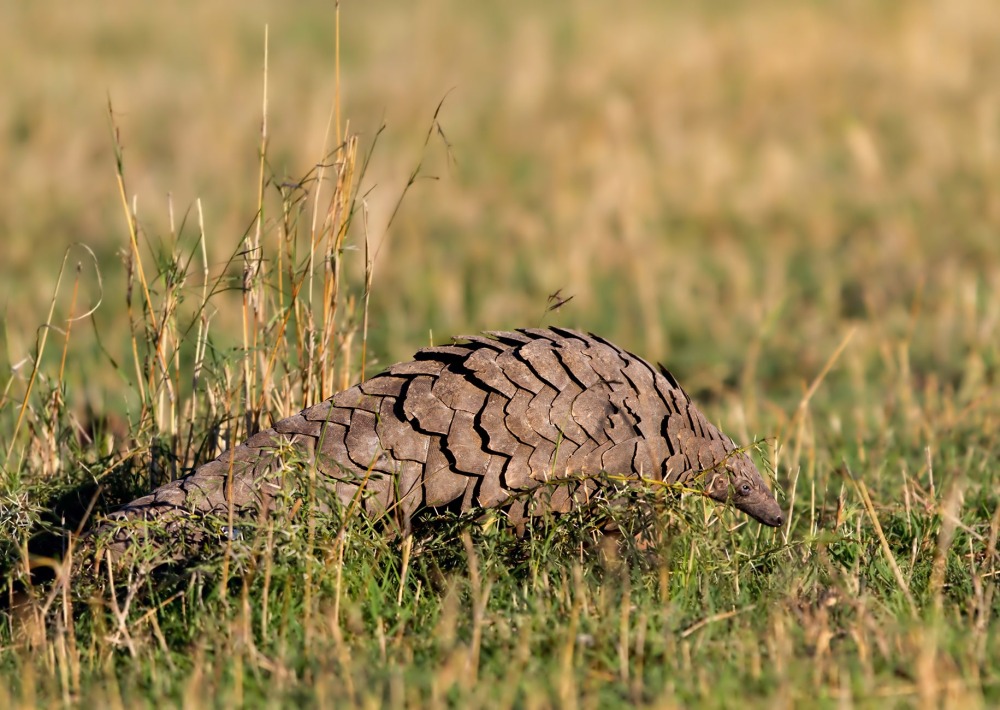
[[792, 206]]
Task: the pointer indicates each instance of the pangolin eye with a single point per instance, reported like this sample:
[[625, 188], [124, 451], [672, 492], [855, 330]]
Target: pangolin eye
[[745, 489]]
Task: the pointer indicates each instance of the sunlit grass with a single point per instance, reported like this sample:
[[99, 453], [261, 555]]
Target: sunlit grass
[[792, 206]]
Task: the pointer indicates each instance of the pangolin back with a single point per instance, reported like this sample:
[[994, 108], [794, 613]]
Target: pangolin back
[[487, 422]]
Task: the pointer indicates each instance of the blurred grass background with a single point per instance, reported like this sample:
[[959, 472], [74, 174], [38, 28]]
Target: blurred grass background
[[704, 179], [733, 188]]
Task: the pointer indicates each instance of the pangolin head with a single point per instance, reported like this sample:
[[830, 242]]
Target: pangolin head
[[736, 480]]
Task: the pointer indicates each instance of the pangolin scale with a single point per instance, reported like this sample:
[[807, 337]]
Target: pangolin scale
[[524, 421]]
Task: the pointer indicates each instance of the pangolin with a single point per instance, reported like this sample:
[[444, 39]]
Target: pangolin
[[526, 421]]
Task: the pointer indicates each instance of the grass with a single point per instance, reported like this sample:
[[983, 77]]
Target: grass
[[791, 206]]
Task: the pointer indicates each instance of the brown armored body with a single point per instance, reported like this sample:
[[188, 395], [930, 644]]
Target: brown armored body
[[524, 421]]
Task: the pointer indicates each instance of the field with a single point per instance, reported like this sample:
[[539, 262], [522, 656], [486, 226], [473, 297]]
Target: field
[[216, 213]]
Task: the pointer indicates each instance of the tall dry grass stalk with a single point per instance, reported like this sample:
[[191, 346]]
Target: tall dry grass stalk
[[298, 328]]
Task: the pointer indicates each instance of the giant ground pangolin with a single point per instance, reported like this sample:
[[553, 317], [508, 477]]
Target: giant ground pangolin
[[525, 422]]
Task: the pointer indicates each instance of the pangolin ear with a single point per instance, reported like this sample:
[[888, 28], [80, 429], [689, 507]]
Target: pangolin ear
[[721, 481], [718, 485]]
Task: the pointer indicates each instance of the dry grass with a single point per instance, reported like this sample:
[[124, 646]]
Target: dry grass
[[794, 206]]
